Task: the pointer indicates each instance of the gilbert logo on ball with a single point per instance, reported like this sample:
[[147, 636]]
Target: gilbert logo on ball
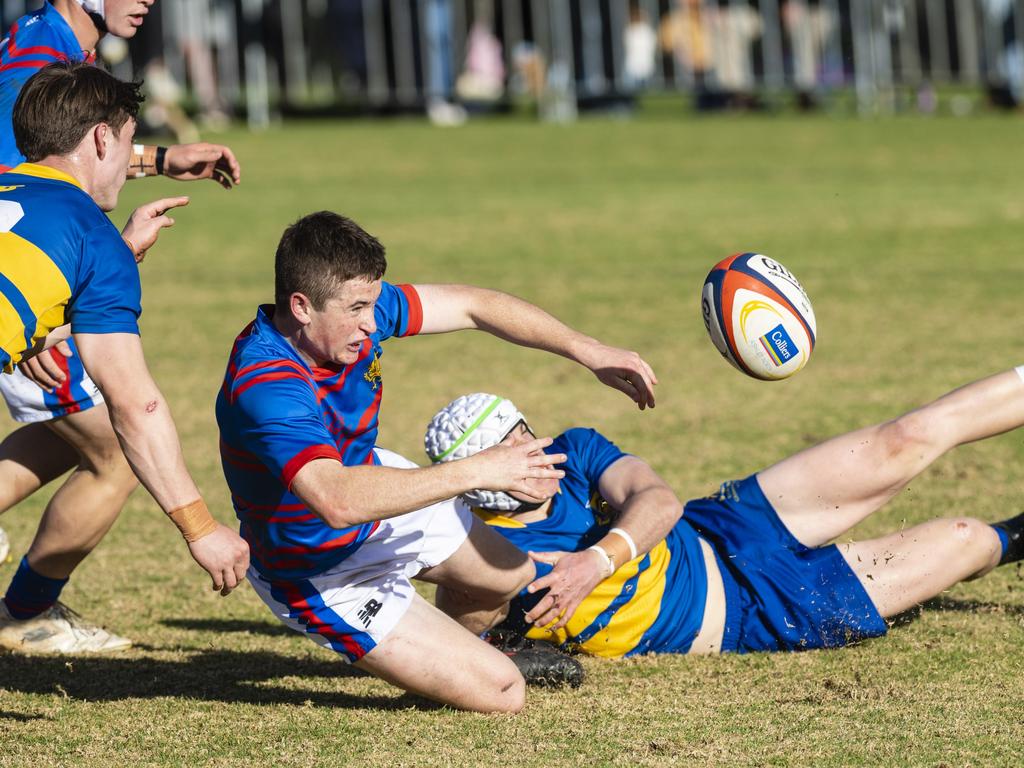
[[758, 316]]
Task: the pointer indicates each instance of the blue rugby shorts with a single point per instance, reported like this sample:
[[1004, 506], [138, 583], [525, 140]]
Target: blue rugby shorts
[[780, 595]]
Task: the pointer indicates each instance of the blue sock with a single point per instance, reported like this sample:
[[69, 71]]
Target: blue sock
[[31, 593], [1004, 540]]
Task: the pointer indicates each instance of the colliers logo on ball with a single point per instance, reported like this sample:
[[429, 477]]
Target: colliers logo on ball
[[779, 346]]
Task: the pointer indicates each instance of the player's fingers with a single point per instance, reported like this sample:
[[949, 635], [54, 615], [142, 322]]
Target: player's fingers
[[222, 177], [51, 368], [537, 445], [228, 160], [230, 581], [543, 606], [542, 459], [218, 581], [551, 558], [650, 372], [65, 349]]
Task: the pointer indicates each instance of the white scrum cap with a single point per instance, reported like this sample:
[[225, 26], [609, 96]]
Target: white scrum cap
[[466, 426]]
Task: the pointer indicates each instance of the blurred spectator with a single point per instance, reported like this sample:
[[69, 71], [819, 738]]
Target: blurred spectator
[[437, 18], [809, 26], [713, 44], [193, 21], [640, 43], [482, 82]]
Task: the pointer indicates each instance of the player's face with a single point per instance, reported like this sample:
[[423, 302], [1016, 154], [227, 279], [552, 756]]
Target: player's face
[[124, 17], [546, 488], [111, 172], [336, 333]]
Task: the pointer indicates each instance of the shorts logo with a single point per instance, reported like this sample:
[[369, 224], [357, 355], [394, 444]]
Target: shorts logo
[[779, 346], [371, 609], [373, 374]]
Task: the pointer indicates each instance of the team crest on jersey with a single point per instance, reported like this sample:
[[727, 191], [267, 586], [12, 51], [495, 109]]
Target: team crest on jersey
[[372, 374]]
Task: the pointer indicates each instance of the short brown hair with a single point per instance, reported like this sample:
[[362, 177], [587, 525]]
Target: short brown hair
[[62, 101], [321, 251]]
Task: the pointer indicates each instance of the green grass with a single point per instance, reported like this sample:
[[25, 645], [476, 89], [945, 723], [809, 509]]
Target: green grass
[[906, 233]]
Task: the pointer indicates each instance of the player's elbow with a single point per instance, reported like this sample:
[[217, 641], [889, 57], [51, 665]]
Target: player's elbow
[[338, 515]]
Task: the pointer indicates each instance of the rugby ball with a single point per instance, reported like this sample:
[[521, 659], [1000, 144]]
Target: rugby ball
[[758, 316]]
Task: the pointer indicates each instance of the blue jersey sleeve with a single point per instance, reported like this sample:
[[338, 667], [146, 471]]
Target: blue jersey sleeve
[[590, 451], [107, 295], [280, 422], [398, 311]]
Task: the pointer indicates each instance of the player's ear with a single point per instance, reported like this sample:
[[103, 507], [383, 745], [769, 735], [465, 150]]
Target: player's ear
[[99, 134], [301, 307]]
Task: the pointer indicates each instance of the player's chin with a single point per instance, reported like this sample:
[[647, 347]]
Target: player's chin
[[125, 28]]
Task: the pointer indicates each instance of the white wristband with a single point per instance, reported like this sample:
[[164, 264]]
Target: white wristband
[[629, 540], [609, 564]]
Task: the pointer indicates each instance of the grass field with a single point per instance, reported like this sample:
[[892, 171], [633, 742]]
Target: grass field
[[907, 235]]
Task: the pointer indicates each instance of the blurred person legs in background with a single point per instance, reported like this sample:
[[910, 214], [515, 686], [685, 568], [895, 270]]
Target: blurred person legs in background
[[440, 77], [809, 26]]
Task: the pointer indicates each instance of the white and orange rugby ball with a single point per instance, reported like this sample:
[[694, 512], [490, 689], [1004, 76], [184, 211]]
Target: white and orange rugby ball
[[758, 316]]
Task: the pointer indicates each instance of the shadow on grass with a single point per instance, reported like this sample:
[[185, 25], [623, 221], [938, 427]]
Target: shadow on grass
[[942, 603], [230, 625], [228, 676]]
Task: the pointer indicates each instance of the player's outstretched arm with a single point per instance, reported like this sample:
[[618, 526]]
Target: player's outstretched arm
[[193, 162], [142, 421], [461, 307], [144, 225], [346, 496], [647, 508]]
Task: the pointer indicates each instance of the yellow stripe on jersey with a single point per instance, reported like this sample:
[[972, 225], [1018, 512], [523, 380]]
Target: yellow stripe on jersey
[[44, 172], [43, 287], [496, 519], [640, 605]]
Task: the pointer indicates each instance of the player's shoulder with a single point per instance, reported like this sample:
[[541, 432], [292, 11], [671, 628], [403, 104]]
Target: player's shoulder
[[579, 437], [39, 35]]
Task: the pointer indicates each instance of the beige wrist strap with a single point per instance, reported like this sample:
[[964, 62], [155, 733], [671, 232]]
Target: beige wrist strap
[[193, 520]]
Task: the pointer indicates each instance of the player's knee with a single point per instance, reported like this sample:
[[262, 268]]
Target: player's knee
[[974, 537], [910, 436], [510, 693]]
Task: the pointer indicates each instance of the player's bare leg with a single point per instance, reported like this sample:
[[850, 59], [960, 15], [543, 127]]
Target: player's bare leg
[[30, 457], [906, 568], [476, 583], [474, 587], [77, 517], [823, 491], [428, 654], [85, 507]]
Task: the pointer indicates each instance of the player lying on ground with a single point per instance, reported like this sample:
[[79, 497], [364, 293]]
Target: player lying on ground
[[338, 526], [65, 417], [749, 568], [64, 262]]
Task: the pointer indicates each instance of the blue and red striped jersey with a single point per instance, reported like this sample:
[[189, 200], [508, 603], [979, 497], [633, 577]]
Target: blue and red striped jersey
[[276, 414], [35, 40]]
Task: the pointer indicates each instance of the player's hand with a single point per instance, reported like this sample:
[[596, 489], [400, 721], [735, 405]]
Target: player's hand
[[44, 369], [524, 468], [145, 223], [622, 370], [224, 555], [191, 162], [573, 577]]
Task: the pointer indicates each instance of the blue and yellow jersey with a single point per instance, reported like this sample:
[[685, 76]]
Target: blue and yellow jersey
[[61, 261], [653, 604], [276, 414], [35, 40]]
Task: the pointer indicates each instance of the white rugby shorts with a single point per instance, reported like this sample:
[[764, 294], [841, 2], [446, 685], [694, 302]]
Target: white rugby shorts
[[28, 402], [354, 605]]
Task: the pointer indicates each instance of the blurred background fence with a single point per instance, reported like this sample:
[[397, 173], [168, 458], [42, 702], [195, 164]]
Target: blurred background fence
[[263, 58]]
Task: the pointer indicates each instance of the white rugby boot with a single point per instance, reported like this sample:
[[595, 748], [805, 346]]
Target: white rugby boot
[[58, 630], [5, 546]]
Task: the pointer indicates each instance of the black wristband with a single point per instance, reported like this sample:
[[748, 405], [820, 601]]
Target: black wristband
[[161, 155]]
